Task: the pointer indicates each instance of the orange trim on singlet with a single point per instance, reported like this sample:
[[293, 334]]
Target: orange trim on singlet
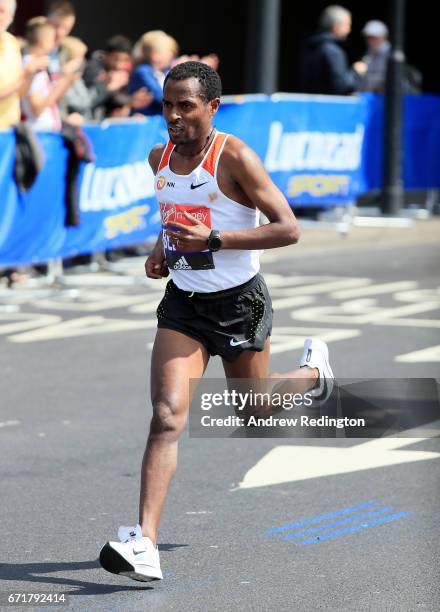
[[214, 151], [166, 156]]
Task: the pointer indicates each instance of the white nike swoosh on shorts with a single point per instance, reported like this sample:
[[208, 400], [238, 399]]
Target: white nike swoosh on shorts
[[234, 342]]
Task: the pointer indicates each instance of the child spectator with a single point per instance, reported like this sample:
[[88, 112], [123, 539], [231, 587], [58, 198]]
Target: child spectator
[[154, 54], [40, 105]]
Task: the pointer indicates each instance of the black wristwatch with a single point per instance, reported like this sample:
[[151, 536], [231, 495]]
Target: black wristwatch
[[214, 241]]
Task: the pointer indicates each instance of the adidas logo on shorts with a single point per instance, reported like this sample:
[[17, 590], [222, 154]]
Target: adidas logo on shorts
[[182, 264]]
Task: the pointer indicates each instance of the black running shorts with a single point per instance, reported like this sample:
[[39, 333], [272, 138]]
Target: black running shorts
[[226, 322]]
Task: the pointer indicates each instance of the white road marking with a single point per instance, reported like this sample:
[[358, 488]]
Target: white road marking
[[427, 355], [22, 321], [373, 290], [147, 307], [92, 301], [292, 338], [410, 322], [295, 463], [419, 295], [279, 282], [9, 423], [332, 285], [343, 313], [296, 292], [83, 326], [289, 302]]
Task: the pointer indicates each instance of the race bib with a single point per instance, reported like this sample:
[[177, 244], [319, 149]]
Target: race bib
[[177, 260]]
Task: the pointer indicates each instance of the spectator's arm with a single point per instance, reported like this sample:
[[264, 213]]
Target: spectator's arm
[[345, 80], [22, 84], [38, 102], [143, 78]]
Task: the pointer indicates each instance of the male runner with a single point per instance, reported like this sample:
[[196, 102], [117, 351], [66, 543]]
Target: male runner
[[210, 187]]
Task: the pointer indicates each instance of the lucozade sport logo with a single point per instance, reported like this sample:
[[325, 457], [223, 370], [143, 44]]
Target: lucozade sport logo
[[161, 181]]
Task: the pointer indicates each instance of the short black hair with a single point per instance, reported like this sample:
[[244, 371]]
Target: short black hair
[[115, 100], [209, 79], [119, 43]]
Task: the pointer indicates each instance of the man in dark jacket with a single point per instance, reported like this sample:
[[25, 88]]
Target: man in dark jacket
[[325, 68]]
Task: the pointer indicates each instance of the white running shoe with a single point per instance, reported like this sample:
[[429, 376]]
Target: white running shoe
[[315, 355], [134, 556]]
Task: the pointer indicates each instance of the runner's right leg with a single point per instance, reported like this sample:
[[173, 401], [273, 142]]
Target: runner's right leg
[[176, 358]]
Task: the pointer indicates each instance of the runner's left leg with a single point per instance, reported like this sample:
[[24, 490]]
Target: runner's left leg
[[255, 365]]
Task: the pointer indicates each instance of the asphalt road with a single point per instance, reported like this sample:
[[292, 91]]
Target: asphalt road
[[243, 518]]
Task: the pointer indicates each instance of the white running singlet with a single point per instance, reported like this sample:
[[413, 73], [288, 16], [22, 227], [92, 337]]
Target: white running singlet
[[199, 194]]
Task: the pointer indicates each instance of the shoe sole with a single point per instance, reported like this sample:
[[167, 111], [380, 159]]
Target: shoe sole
[[329, 381], [114, 563], [329, 378]]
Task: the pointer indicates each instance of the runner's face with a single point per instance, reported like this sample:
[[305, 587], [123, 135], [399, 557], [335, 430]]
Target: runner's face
[[188, 116]]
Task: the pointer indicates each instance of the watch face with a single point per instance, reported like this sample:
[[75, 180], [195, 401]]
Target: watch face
[[215, 243]]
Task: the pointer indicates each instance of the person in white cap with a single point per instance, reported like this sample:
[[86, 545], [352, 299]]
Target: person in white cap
[[376, 57]]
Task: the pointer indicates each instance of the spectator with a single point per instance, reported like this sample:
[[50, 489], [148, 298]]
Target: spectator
[[14, 80], [376, 57], [154, 54], [376, 61], [62, 16], [77, 103], [325, 68], [40, 104], [108, 71], [116, 56], [212, 60], [117, 105]]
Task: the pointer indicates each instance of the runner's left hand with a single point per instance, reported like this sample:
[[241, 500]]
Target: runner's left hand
[[189, 238]]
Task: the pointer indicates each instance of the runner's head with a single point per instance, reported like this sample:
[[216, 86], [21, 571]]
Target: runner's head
[[191, 98]]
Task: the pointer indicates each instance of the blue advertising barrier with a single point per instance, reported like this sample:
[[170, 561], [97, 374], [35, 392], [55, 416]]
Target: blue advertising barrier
[[319, 150], [116, 191], [116, 195], [310, 145]]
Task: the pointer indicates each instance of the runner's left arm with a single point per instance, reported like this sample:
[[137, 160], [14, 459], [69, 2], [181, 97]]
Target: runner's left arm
[[247, 175], [246, 169]]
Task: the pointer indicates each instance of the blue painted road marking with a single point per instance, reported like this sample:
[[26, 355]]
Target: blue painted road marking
[[322, 517], [326, 528], [351, 519], [341, 532]]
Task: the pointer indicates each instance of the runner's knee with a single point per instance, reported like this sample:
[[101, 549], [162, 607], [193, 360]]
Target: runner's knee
[[168, 419]]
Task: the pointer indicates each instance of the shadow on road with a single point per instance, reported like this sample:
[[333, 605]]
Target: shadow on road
[[171, 546], [32, 572]]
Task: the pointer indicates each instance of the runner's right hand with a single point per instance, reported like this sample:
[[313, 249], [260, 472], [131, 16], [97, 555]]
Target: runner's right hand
[[155, 266]]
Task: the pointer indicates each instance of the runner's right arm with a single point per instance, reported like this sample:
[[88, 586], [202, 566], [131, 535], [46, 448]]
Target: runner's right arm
[[155, 266]]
